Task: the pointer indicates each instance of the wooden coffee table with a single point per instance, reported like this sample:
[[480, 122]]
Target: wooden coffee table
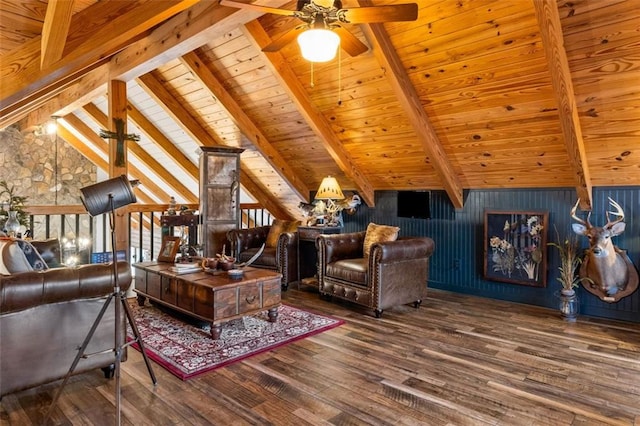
[[212, 297]]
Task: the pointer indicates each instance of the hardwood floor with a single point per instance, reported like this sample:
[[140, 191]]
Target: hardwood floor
[[458, 360]]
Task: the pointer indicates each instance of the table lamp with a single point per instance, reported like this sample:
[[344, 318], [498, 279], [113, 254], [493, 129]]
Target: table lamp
[[330, 191]]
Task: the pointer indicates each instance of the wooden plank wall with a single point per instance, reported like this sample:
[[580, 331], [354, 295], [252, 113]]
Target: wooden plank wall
[[457, 263]]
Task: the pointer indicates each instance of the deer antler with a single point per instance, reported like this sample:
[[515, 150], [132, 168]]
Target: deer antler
[[619, 212], [577, 219], [253, 258]]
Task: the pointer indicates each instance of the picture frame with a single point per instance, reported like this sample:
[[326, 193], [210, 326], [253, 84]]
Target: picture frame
[[515, 247], [169, 249]]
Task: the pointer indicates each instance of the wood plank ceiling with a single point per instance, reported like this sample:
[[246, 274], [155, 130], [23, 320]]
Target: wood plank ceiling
[[474, 94]]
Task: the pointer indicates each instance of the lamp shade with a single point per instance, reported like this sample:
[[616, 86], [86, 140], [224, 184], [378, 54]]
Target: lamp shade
[[318, 45], [329, 190], [101, 197]]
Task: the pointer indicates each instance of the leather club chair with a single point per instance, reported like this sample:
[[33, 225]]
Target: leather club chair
[[394, 273], [281, 248]]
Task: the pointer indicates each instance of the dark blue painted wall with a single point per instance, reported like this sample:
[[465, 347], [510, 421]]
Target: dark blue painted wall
[[457, 264]]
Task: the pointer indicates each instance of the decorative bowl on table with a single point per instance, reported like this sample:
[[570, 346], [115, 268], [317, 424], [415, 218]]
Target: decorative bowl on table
[[210, 263], [235, 273], [228, 264]]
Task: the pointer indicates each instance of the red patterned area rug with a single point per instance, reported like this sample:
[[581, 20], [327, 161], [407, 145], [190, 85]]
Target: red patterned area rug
[[187, 349]]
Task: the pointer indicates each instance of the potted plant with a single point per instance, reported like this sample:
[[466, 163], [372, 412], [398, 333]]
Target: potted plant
[[568, 278]]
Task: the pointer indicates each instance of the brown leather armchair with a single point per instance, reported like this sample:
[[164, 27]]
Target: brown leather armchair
[[395, 273], [282, 258]]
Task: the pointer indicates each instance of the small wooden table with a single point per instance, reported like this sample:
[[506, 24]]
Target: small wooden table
[[307, 253], [212, 297]]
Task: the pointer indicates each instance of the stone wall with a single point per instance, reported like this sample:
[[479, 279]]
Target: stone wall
[[28, 162]]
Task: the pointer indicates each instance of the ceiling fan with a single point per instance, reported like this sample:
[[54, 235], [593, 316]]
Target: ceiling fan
[[327, 15]]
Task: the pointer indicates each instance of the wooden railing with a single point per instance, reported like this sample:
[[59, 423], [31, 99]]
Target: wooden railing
[[74, 226], [253, 214]]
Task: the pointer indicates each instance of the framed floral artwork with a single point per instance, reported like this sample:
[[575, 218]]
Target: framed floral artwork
[[515, 247]]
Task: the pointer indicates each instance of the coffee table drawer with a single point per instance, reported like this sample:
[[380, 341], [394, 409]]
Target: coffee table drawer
[[185, 296], [225, 303], [169, 290], [153, 285], [203, 302], [271, 292], [141, 281], [249, 298]]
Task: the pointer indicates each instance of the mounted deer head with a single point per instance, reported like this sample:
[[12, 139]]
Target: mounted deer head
[[605, 267]]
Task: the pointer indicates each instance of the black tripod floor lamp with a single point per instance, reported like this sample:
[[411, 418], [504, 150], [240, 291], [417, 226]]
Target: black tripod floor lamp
[[100, 198]]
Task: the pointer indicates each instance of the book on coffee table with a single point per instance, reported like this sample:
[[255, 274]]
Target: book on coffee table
[[185, 268]]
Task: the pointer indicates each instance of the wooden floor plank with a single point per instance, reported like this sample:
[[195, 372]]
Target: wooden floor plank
[[457, 360]]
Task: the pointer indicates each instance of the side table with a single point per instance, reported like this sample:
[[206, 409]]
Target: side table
[[307, 254]]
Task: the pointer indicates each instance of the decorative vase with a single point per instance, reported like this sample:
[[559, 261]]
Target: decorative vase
[[12, 224], [569, 305]]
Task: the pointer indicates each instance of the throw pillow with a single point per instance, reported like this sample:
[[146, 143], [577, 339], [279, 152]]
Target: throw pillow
[[49, 250], [33, 256], [12, 258], [278, 227], [378, 234]]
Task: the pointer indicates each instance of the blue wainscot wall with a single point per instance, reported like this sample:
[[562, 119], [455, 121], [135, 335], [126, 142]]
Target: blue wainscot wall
[[457, 264]]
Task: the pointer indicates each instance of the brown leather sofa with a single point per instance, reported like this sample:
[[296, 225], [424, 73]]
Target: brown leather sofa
[[44, 318], [282, 258], [395, 273]]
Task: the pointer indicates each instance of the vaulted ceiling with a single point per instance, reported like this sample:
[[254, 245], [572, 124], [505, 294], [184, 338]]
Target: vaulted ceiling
[[473, 94]]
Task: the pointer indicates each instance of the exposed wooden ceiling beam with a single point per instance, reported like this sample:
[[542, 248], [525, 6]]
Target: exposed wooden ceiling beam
[[112, 26], [408, 97], [172, 106], [56, 25], [61, 100], [90, 134], [161, 141], [64, 131], [209, 81], [181, 34], [558, 65], [141, 196], [154, 165], [63, 103], [118, 147], [248, 182], [313, 116], [151, 83]]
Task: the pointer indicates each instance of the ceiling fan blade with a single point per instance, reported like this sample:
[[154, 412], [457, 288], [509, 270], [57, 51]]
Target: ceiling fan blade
[[389, 13], [284, 39], [265, 9], [350, 43]]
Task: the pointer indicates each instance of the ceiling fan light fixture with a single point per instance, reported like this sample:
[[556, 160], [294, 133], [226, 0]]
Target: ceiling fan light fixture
[[318, 44]]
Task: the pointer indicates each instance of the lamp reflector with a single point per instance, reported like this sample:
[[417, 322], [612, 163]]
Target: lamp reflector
[[101, 197]]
